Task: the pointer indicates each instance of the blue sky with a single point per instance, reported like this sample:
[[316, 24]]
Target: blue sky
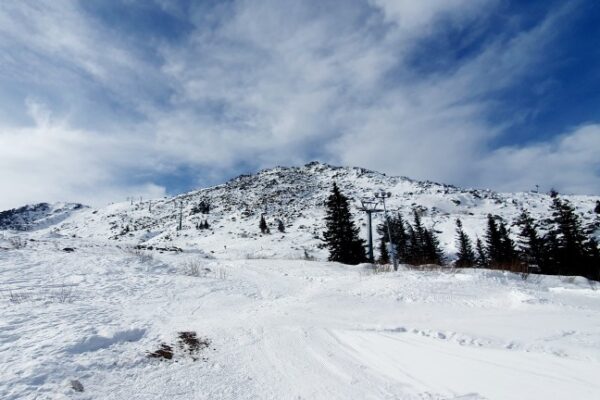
[[101, 100]]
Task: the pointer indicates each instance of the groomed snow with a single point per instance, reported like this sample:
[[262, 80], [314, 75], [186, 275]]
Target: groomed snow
[[287, 329]]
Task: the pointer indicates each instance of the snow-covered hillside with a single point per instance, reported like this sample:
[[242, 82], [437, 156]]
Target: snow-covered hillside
[[285, 329], [86, 294], [296, 195], [37, 216]]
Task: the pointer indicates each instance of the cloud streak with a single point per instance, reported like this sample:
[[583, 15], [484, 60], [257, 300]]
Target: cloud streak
[[98, 113]]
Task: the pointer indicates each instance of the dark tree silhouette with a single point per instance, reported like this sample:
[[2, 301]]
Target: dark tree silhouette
[[341, 235]]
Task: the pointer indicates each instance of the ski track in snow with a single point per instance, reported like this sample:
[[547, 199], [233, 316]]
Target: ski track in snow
[[287, 329]]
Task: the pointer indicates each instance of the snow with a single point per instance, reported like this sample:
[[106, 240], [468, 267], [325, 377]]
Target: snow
[[296, 195], [285, 329], [281, 326]]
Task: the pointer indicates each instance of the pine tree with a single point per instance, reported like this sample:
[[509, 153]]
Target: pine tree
[[597, 208], [493, 243], [341, 235], [431, 248], [384, 255], [264, 228], [593, 259], [571, 251], [530, 246], [280, 226], [466, 255], [507, 246], [417, 241], [399, 235], [481, 260]]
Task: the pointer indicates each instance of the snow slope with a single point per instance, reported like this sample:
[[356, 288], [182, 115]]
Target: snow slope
[[286, 329], [296, 195]]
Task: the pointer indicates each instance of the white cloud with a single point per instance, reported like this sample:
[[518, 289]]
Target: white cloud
[[568, 163], [260, 83], [51, 161]]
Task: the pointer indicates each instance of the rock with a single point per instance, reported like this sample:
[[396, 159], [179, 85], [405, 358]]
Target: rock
[[76, 385]]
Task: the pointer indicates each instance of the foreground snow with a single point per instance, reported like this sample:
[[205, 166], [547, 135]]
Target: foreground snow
[[287, 329]]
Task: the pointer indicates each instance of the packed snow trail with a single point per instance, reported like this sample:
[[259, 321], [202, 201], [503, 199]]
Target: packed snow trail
[[282, 329]]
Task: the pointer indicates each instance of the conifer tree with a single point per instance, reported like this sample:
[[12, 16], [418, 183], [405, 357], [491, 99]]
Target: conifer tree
[[466, 255], [507, 246], [264, 228], [280, 226], [481, 260], [384, 255], [530, 246], [597, 208], [399, 235], [493, 243], [341, 235], [431, 248], [571, 252], [417, 241]]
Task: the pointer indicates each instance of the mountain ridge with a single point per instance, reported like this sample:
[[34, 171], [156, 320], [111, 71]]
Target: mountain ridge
[[296, 195]]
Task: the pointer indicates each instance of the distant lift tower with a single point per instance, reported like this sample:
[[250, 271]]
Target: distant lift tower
[[370, 207]]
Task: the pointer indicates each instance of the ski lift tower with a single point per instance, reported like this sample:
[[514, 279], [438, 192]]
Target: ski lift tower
[[382, 195], [370, 207]]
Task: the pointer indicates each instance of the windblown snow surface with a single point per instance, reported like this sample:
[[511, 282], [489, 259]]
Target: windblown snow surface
[[285, 329]]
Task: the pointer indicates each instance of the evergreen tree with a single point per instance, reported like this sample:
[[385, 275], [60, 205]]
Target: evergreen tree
[[530, 246], [507, 246], [481, 260], [571, 251], [493, 243], [466, 255], [593, 259], [264, 228], [399, 235], [431, 248], [417, 241], [280, 226], [206, 225], [384, 255], [597, 208], [341, 235]]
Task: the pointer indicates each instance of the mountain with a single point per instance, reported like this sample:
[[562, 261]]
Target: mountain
[[37, 216], [295, 195]]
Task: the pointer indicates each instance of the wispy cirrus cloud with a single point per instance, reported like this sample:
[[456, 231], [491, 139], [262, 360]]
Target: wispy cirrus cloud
[[101, 101]]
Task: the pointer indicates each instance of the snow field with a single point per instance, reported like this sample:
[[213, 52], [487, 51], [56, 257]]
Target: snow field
[[282, 329]]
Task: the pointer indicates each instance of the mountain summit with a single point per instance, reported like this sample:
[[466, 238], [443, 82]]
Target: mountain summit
[[295, 196]]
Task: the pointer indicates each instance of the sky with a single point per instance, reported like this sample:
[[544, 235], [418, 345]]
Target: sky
[[102, 100]]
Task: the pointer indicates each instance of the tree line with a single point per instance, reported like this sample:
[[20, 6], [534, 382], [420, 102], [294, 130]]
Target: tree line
[[558, 245]]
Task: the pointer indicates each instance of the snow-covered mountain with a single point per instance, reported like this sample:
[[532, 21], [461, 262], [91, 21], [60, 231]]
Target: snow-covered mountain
[[37, 216], [295, 195]]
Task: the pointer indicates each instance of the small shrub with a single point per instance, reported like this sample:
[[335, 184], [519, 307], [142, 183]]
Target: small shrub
[[164, 351], [188, 344]]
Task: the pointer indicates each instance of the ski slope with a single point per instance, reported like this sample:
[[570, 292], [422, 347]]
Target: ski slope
[[286, 329]]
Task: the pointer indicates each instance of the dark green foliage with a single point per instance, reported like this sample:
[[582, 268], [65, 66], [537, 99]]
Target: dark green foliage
[[530, 247], [399, 235], [481, 260], [280, 226], [421, 245], [432, 251], [202, 207], [570, 253], [466, 255], [493, 242], [499, 247], [384, 255], [264, 228], [341, 235]]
